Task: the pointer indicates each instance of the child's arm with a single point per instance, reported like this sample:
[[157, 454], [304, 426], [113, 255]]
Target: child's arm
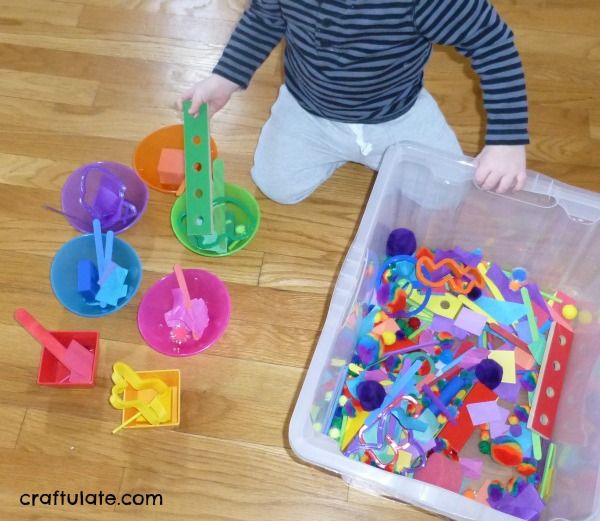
[[258, 32], [475, 28]]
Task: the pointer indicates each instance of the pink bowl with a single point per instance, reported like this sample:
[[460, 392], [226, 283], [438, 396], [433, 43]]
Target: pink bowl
[[159, 299]]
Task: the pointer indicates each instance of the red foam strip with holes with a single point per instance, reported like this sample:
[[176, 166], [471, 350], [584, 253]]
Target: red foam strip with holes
[[550, 382]]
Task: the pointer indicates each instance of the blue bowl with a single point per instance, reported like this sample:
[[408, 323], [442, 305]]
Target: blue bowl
[[63, 274]]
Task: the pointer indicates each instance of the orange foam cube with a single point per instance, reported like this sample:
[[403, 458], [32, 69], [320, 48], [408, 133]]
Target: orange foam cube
[[171, 166]]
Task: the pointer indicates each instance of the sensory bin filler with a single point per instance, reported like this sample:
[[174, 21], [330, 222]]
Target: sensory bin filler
[[97, 274], [460, 344]]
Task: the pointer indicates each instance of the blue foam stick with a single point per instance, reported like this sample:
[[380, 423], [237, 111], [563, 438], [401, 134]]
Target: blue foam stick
[[87, 279], [98, 243], [451, 389], [108, 251]]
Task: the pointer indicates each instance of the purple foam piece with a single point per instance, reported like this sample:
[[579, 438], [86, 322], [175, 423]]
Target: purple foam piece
[[527, 505], [466, 257], [508, 392], [502, 282], [536, 296]]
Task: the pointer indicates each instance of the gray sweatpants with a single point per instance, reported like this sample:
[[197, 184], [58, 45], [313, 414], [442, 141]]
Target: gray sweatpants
[[297, 152]]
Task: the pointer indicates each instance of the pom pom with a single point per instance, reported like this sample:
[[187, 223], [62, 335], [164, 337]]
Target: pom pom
[[401, 242], [489, 373], [506, 451], [414, 322], [495, 491], [474, 294], [569, 312], [400, 335], [371, 394]]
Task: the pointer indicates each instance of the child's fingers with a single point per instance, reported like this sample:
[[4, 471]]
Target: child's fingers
[[491, 181], [521, 179], [188, 94], [506, 183], [481, 173], [197, 100]]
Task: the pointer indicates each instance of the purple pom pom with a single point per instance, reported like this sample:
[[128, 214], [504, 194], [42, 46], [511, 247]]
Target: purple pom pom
[[474, 294], [371, 394], [489, 373], [401, 242]]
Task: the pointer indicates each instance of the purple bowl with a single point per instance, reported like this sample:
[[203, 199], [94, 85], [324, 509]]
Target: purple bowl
[[136, 196]]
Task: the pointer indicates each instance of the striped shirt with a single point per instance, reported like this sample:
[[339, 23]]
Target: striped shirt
[[362, 61]]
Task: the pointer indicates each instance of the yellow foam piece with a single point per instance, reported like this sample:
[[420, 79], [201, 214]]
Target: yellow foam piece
[[482, 268], [507, 360], [404, 460], [353, 425]]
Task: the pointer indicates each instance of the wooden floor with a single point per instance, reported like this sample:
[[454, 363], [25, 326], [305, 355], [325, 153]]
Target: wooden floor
[[86, 80]]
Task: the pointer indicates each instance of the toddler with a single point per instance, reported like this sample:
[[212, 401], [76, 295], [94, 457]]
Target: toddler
[[354, 86]]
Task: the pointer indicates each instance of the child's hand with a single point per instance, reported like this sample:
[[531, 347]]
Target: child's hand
[[501, 168], [214, 90]]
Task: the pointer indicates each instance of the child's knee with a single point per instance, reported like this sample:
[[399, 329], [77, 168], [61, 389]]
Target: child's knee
[[275, 187]]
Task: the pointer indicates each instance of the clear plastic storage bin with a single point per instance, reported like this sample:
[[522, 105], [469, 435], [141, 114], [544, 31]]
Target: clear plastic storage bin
[[551, 229]]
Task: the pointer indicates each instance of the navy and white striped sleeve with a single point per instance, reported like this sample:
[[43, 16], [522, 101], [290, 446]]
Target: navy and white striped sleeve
[[475, 28], [258, 32]]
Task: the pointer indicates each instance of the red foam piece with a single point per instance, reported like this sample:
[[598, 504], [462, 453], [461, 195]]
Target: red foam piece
[[442, 472], [457, 434], [551, 380], [171, 166]]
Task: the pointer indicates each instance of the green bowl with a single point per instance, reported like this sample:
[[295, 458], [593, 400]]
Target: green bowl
[[247, 213]]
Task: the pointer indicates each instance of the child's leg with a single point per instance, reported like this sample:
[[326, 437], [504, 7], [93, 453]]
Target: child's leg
[[424, 123], [297, 151]]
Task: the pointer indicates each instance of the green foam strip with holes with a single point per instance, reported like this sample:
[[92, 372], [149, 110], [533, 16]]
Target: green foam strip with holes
[[198, 171]]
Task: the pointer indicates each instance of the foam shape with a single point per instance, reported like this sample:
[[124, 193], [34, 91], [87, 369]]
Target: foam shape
[[87, 279], [171, 166], [507, 360], [114, 288], [502, 311], [353, 425], [442, 472], [471, 321], [387, 325], [551, 379], [458, 435], [199, 195], [471, 467], [486, 412], [404, 460], [75, 357]]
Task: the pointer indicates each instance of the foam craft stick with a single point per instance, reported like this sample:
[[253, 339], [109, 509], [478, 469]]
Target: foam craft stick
[[108, 271], [198, 171], [108, 249], [489, 283], [75, 357], [186, 293], [538, 344], [99, 247], [508, 336], [219, 210], [550, 381], [458, 435]]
